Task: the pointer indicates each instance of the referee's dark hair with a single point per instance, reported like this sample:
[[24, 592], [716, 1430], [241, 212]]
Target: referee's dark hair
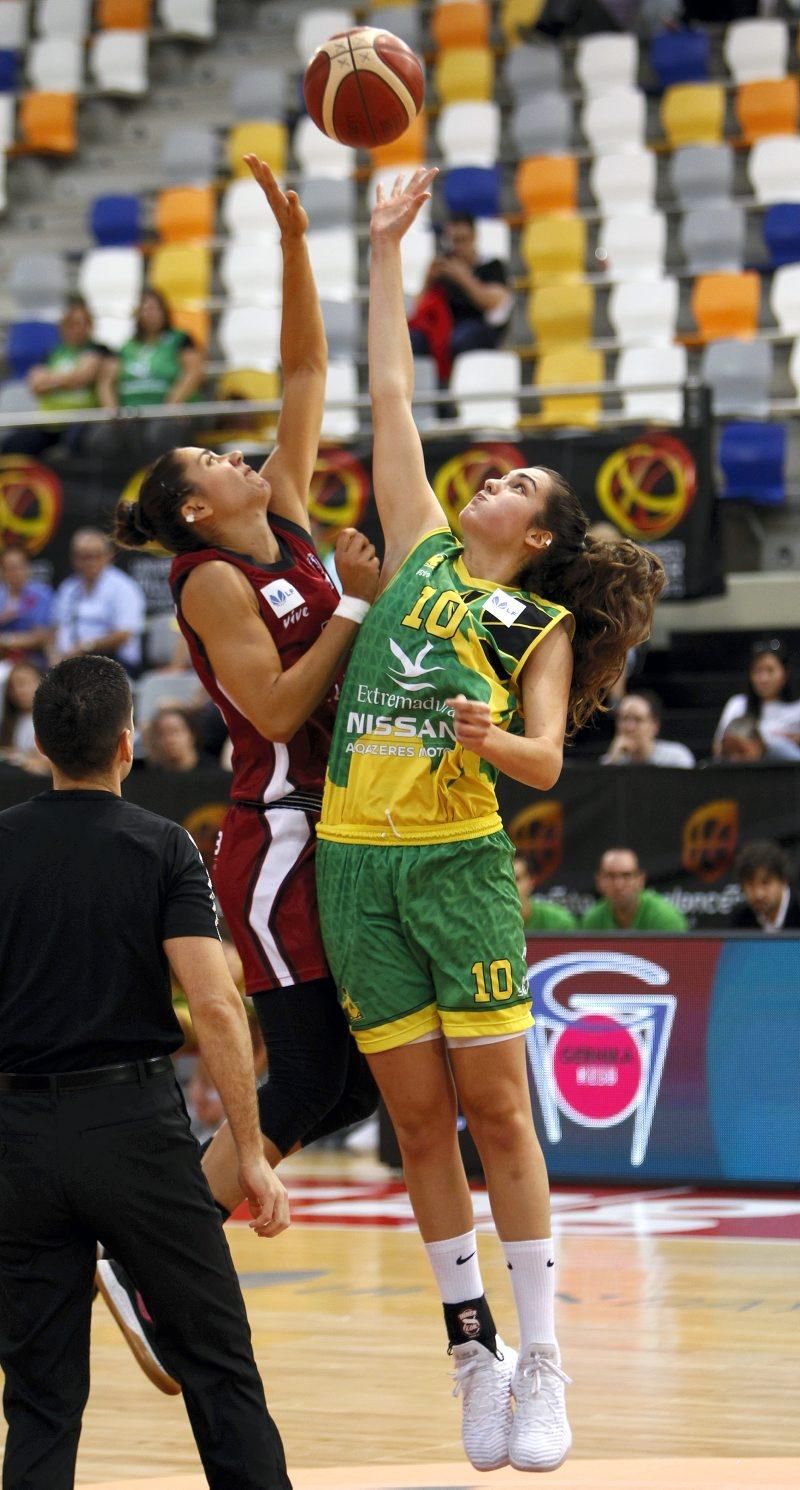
[[80, 709]]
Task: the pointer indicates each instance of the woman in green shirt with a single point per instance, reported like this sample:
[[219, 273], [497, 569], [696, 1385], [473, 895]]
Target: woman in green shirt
[[158, 365]]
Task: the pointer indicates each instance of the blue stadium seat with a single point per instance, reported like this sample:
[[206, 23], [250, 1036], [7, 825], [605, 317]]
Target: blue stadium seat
[[781, 228], [474, 190], [29, 342], [680, 57], [116, 221], [8, 70], [753, 460]]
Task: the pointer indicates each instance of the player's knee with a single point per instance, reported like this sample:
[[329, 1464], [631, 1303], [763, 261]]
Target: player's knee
[[360, 1096], [425, 1131], [498, 1120]]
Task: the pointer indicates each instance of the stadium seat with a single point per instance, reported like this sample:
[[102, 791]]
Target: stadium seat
[[752, 458], [408, 150], [756, 49], [342, 327], [426, 381], [774, 169], [726, 305], [468, 134], [517, 16], [464, 72], [561, 313], [606, 62], [3, 195], [9, 70], [182, 273], [769, 108], [189, 154], [16, 398], [739, 374], [554, 248], [194, 320], [29, 343], [37, 283], [316, 26], [475, 190], [419, 247], [784, 298], [547, 183], [55, 64], [7, 122], [258, 93], [331, 204], [566, 366], [680, 57], [48, 123], [542, 125], [644, 313], [115, 221], [342, 384], [624, 181], [124, 15], [334, 257], [473, 373], [402, 21], [14, 24], [781, 228], [113, 331], [185, 214], [664, 367], [615, 120], [249, 336], [268, 140], [712, 238], [244, 212], [693, 114], [794, 366], [118, 61], [195, 18], [319, 156], [493, 238], [248, 383], [702, 173], [536, 68], [461, 23], [64, 18], [250, 271], [635, 244], [110, 280]]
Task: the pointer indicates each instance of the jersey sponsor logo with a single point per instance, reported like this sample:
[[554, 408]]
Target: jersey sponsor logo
[[350, 1007], [411, 668], [296, 615], [504, 607], [430, 564], [282, 597]]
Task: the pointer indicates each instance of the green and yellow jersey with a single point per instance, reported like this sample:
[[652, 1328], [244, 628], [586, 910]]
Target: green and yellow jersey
[[396, 773]]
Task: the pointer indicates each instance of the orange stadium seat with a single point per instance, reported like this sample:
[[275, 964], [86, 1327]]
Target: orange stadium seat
[[461, 23], [518, 15], [269, 140], [768, 108], [693, 114], [47, 122], [409, 150], [546, 184], [554, 247], [726, 305], [197, 323], [185, 214], [182, 273], [124, 15], [464, 72], [561, 313], [568, 365]]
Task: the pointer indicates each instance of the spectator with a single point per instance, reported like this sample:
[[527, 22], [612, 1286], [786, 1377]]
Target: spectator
[[17, 740], [769, 698], [743, 744], [466, 302], [98, 609], [626, 905], [172, 741], [67, 380], [159, 365], [538, 914], [635, 742], [26, 608], [764, 875]]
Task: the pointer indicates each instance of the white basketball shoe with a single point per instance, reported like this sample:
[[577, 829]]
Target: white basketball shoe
[[540, 1437], [484, 1382]]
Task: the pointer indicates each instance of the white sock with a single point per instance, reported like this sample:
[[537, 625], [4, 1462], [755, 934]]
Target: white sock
[[456, 1268], [531, 1265]]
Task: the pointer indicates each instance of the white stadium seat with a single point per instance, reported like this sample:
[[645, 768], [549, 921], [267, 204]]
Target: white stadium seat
[[110, 280], [317, 155], [469, 133], [55, 64], [189, 18], [251, 271], [118, 61], [316, 26], [774, 169], [473, 373], [615, 121], [113, 331], [644, 312], [757, 49], [635, 244], [624, 181], [665, 366], [606, 61], [13, 24], [249, 336], [334, 258], [342, 383], [64, 18], [784, 298]]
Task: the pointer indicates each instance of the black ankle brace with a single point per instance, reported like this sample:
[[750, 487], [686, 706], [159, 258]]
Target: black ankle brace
[[471, 1320]]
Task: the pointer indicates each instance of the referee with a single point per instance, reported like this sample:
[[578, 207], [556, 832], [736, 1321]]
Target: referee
[[98, 896]]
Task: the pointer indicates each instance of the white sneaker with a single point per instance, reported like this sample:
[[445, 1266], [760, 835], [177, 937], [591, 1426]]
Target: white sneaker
[[540, 1437], [484, 1382]]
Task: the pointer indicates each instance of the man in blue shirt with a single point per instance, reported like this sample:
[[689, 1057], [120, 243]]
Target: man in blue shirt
[[26, 609], [99, 609]]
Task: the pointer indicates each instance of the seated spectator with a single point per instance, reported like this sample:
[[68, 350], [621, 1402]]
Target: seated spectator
[[769, 699], [159, 365], [465, 304], [635, 742], [538, 914], [67, 380], [172, 741], [743, 744], [98, 609], [626, 905], [764, 874], [17, 740], [26, 609]]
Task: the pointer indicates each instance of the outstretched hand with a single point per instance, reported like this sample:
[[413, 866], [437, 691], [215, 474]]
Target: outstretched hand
[[287, 208], [392, 216]]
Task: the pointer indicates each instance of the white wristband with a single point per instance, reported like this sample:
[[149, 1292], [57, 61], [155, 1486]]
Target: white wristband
[[352, 609]]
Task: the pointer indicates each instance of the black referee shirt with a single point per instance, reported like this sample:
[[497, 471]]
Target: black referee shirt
[[90, 887]]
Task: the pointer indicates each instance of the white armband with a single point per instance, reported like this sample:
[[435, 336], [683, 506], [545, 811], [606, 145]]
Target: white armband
[[352, 609]]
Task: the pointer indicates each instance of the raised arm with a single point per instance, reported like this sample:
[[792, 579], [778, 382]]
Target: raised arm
[[304, 357], [407, 505]]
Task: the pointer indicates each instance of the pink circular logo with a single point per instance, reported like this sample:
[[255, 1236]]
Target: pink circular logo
[[597, 1071]]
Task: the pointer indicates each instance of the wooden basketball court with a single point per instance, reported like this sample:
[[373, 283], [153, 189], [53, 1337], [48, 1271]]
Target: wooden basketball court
[[682, 1346]]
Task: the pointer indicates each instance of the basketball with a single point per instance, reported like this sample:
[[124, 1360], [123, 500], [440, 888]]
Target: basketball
[[364, 87]]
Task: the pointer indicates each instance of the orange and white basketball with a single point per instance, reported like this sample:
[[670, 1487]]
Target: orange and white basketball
[[364, 87]]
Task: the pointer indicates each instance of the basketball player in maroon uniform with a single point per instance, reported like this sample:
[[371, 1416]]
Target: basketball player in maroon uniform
[[268, 636]]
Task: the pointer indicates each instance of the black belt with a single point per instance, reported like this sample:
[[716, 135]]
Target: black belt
[[73, 1081]]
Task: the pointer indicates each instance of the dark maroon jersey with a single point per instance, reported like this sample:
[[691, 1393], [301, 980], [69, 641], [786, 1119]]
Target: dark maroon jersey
[[295, 597]]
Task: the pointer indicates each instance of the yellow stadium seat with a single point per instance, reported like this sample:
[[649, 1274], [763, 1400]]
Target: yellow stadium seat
[[517, 16], [249, 384], [546, 184], [768, 108], [461, 23], [267, 140], [726, 305], [185, 214], [561, 313], [182, 274], [123, 15], [47, 122], [693, 114], [409, 150], [566, 365], [197, 323], [464, 73], [554, 247]]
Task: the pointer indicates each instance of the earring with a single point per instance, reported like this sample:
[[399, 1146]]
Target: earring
[[547, 542], [190, 517]]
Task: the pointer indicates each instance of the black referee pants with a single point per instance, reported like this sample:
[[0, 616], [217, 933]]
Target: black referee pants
[[118, 1164]]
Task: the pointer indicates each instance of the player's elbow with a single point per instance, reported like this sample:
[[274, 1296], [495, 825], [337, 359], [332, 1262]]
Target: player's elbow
[[550, 769]]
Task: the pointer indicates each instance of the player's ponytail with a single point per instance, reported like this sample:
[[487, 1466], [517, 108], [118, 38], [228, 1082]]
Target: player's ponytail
[[610, 587], [155, 516]]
